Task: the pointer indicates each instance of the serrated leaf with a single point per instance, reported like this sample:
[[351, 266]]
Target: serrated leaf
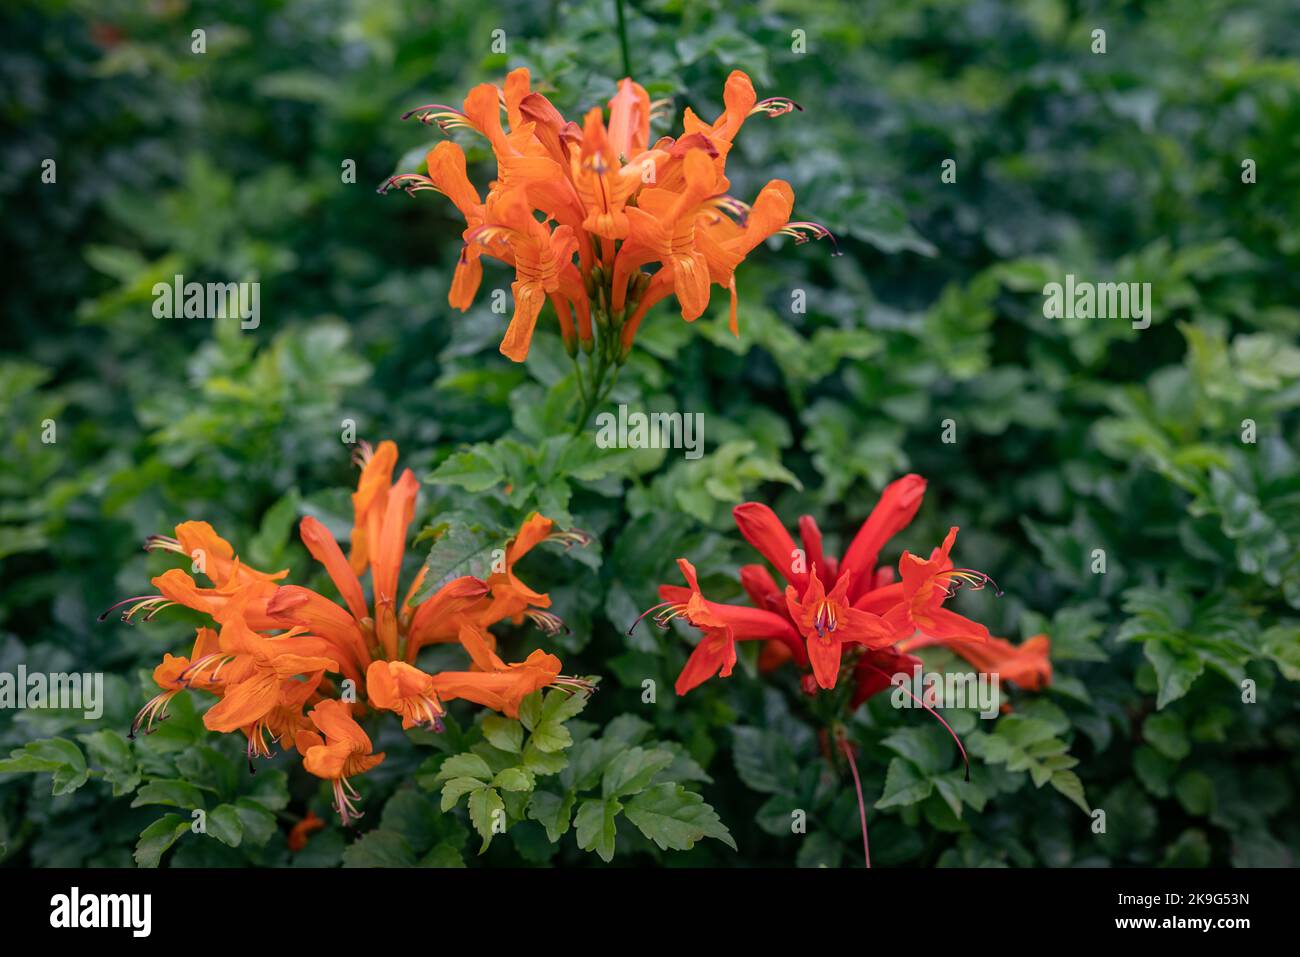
[[457, 788], [675, 818], [905, 784], [158, 837], [485, 809], [514, 779], [595, 826], [467, 765], [224, 823], [631, 771]]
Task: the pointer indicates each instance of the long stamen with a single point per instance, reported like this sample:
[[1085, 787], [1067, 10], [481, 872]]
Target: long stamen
[[549, 623], [776, 106], [652, 610], [155, 710], [970, 578], [659, 108], [163, 543], [155, 604], [862, 805], [574, 685], [936, 715], [411, 183], [803, 231], [491, 233], [570, 537], [735, 208], [447, 118], [362, 454]]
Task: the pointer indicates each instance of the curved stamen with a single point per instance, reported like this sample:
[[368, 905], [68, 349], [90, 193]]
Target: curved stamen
[[492, 233], [154, 710], [969, 578], [164, 543], [570, 537], [936, 715], [776, 106], [659, 108], [802, 232], [362, 454], [663, 613], [735, 208], [410, 183], [862, 805], [649, 611], [447, 118], [574, 685], [549, 623], [155, 604], [344, 795]]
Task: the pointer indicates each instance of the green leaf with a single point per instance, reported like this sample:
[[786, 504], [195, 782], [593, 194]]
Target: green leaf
[[632, 770], [905, 784], [595, 826], [172, 793], [514, 779], [457, 788], [553, 811], [379, 848], [466, 765], [504, 733], [486, 811], [157, 837], [110, 752], [473, 470], [58, 756], [1165, 733], [1175, 671], [675, 818], [225, 824], [550, 736]]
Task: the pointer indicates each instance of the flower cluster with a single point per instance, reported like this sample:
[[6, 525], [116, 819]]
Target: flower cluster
[[579, 209], [845, 614], [293, 668]]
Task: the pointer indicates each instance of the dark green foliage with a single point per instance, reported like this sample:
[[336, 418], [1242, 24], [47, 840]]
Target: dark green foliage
[[1174, 449]]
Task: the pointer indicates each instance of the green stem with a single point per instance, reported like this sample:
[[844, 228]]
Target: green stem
[[622, 38]]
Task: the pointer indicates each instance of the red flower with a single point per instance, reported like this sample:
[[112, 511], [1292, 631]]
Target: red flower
[[723, 625], [829, 603]]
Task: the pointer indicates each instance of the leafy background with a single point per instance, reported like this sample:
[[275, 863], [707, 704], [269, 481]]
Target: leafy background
[[1072, 434]]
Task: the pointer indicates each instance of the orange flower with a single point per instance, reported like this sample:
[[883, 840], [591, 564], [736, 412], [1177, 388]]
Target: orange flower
[[175, 674], [343, 752], [212, 555], [276, 643], [1027, 664], [579, 209], [267, 669], [297, 839], [498, 685], [511, 598], [398, 687]]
